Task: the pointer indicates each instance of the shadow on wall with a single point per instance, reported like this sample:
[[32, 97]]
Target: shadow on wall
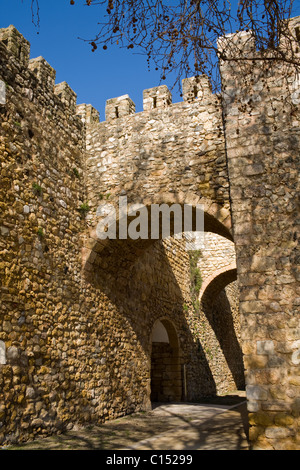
[[218, 310], [145, 284]]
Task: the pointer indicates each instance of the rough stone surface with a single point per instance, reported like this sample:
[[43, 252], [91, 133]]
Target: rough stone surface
[[77, 313], [262, 128]]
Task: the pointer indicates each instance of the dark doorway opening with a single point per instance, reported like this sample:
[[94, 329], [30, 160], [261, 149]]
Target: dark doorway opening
[[166, 370]]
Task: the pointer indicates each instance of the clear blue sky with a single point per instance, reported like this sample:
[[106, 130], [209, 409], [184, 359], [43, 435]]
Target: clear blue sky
[[95, 77]]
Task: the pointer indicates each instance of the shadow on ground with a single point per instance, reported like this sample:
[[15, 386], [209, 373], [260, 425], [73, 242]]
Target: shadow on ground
[[214, 424]]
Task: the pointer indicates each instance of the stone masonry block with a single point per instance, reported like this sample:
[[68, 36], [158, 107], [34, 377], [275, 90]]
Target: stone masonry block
[[2, 353], [256, 392], [252, 306], [263, 263], [278, 433], [253, 406], [265, 347], [2, 92]]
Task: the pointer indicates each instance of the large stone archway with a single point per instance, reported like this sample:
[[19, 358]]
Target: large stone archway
[[144, 279], [215, 218], [220, 310]]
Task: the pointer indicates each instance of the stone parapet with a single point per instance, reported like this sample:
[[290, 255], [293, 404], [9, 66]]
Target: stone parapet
[[16, 44], [193, 88], [43, 71], [157, 97], [88, 114], [119, 107], [18, 47], [67, 96]]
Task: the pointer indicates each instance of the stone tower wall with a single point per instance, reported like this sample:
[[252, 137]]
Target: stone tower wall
[[262, 129]]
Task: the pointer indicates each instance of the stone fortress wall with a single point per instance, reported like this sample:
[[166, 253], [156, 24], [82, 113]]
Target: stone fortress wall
[[262, 129], [75, 342], [93, 330]]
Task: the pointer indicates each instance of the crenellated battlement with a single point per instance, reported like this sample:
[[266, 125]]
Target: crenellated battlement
[[19, 48], [43, 71], [16, 44], [236, 46], [87, 113], [193, 88]]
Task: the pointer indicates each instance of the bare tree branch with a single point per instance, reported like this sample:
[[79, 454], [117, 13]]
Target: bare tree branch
[[180, 36]]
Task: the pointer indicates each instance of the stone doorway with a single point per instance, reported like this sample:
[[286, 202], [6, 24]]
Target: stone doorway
[[166, 373]]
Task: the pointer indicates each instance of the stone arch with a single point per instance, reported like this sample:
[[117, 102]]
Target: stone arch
[[218, 280], [166, 371], [217, 219], [120, 269], [224, 321]]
